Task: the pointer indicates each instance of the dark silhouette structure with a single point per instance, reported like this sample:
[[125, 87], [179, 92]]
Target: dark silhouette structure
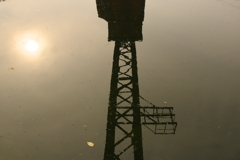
[[125, 115]]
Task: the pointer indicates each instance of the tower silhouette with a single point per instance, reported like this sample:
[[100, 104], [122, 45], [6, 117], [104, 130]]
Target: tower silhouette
[[125, 114]]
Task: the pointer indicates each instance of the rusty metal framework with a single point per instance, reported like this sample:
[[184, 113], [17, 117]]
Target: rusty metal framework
[[125, 115]]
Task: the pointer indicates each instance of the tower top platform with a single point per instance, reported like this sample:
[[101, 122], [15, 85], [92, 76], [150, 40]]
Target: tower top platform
[[124, 18]]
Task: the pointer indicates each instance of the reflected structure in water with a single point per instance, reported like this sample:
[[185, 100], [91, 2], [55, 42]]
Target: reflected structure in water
[[125, 114], [53, 106]]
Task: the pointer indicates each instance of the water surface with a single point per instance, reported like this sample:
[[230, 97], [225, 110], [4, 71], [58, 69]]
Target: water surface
[[53, 100]]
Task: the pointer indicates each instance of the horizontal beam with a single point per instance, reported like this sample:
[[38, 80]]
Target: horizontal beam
[[144, 107], [150, 123], [150, 115]]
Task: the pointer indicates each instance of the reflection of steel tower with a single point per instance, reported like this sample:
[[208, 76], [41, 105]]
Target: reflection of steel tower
[[125, 115]]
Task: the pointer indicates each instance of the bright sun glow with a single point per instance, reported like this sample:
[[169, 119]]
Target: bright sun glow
[[32, 46]]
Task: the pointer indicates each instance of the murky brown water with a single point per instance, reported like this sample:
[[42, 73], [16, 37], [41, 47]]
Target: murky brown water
[[55, 70]]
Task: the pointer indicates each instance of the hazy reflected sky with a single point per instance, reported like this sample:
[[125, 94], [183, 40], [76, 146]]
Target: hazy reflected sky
[[53, 101]]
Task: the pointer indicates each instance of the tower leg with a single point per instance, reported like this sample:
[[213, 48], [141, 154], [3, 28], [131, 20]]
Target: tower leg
[[136, 126], [112, 104]]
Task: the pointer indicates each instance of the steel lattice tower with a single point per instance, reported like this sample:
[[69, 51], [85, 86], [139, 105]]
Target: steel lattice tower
[[124, 92], [125, 114]]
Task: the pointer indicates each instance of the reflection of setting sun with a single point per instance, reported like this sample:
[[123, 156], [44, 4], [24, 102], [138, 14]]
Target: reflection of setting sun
[[31, 46]]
